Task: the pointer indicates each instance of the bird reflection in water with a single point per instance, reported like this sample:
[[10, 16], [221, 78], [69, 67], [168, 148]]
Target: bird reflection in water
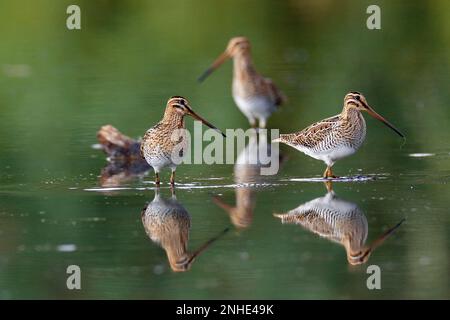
[[247, 175], [339, 221], [167, 223]]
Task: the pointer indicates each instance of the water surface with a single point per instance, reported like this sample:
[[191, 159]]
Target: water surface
[[58, 87]]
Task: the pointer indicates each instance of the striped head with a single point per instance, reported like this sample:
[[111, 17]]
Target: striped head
[[355, 100], [180, 264], [361, 255], [236, 46], [180, 106]]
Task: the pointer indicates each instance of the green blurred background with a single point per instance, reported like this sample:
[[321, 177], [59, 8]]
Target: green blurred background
[[57, 87]]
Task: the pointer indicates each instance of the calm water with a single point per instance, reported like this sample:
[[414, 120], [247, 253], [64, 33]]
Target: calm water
[[58, 87]]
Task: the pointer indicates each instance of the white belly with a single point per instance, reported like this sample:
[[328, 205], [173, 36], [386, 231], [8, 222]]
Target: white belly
[[255, 107], [329, 156], [159, 163], [159, 159]]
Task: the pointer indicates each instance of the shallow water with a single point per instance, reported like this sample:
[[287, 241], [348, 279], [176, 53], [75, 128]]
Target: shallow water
[[58, 87]]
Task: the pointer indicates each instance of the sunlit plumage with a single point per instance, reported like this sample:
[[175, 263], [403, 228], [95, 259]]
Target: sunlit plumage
[[257, 97], [164, 144], [337, 137]]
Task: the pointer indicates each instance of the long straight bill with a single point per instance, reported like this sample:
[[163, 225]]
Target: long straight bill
[[221, 59], [206, 123], [379, 241], [387, 123], [206, 245]]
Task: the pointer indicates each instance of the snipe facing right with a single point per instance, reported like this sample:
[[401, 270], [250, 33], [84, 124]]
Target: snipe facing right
[[337, 137]]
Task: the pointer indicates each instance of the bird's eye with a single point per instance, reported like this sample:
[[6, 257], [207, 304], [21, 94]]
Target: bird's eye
[[358, 98]]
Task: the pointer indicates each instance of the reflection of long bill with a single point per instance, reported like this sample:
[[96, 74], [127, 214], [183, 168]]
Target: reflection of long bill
[[206, 245], [206, 123], [379, 241], [380, 118]]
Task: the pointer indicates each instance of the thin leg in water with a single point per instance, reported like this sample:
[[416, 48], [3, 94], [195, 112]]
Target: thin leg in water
[[252, 122], [157, 180], [172, 178], [329, 185], [328, 173], [262, 123]]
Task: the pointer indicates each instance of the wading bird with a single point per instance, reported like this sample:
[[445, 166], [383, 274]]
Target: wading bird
[[164, 144], [338, 221], [337, 137], [257, 97]]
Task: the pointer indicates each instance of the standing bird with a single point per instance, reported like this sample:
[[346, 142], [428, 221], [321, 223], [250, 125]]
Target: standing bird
[[339, 221], [257, 97], [164, 145], [337, 137]]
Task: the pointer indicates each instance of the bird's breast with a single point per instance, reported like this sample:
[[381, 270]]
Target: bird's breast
[[163, 144]]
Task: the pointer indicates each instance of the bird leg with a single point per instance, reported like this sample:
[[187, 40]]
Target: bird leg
[[172, 178], [328, 173], [157, 180], [329, 185], [262, 123]]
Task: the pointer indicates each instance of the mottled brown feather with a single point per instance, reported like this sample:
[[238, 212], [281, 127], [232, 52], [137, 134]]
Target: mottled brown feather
[[276, 94], [313, 135]]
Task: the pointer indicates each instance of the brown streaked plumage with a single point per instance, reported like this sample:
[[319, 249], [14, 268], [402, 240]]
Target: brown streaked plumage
[[338, 221], [257, 97], [337, 137], [164, 144], [168, 223]]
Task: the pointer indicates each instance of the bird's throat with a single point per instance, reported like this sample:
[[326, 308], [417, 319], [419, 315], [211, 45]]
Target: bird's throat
[[243, 66], [173, 119]]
